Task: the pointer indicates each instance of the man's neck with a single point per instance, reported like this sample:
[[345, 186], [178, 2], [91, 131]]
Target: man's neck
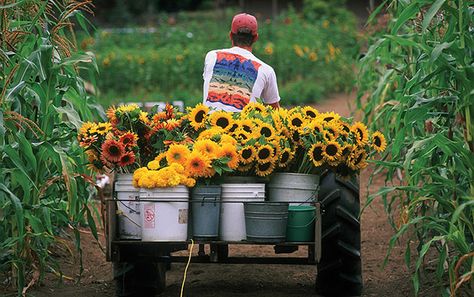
[[249, 48]]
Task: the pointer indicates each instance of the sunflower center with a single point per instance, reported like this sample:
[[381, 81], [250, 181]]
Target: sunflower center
[[114, 150], [264, 153], [318, 153], [295, 136], [177, 156], [195, 164], [126, 140], [345, 128], [222, 122], [359, 134], [296, 122], [284, 157], [246, 153], [199, 116], [327, 119], [377, 141], [311, 114], [345, 151], [331, 150], [264, 166], [359, 159], [234, 126], [266, 131], [247, 128], [126, 159]]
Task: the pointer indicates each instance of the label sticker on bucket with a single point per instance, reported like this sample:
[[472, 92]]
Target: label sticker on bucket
[[183, 216], [149, 216]]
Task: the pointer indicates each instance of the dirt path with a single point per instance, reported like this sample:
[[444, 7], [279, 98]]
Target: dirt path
[[206, 280]]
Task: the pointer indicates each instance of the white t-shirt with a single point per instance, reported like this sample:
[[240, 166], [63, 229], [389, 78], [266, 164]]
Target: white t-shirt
[[234, 77]]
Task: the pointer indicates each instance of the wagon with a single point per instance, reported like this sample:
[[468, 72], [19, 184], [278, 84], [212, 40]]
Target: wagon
[[140, 266]]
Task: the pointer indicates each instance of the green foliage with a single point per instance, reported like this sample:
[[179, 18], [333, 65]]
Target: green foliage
[[43, 101], [324, 9], [313, 58], [418, 76]]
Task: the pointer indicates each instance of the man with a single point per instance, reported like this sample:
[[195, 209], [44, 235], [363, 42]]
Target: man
[[234, 77]]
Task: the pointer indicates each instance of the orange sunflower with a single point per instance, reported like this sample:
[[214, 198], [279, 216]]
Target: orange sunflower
[[197, 164], [127, 159], [177, 153], [229, 151], [112, 150], [129, 139]]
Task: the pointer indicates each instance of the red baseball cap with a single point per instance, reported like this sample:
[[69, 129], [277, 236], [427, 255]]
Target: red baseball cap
[[244, 20]]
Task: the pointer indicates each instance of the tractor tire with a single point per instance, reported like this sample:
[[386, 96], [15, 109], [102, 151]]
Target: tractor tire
[[340, 269], [139, 279]]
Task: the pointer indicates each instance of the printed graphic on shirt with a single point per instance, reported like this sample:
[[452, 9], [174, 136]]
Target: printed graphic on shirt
[[232, 80]]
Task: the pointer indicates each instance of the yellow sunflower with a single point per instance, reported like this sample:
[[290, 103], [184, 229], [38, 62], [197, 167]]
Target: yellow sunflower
[[177, 153], [246, 125], [143, 117], [247, 154], [315, 154], [296, 121], [310, 112], [211, 133], [228, 139], [229, 151], [332, 151], [198, 116], [221, 119], [264, 169], [264, 154], [245, 167], [266, 130], [197, 164], [357, 160], [206, 147], [241, 135], [329, 116], [285, 157], [86, 128], [101, 128], [127, 108], [332, 128], [252, 108], [360, 132], [379, 144]]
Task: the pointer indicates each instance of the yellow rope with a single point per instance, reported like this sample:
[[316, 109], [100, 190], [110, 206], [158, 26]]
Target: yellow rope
[[186, 269]]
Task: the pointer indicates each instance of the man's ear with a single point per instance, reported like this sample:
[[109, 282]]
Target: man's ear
[[255, 37]]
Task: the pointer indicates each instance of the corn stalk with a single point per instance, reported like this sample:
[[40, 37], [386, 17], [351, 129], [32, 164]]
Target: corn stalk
[[421, 93]]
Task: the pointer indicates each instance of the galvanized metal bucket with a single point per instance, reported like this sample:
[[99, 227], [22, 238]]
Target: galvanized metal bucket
[[205, 211], [266, 222]]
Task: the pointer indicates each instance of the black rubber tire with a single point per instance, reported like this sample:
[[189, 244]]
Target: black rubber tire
[[340, 269], [139, 279]]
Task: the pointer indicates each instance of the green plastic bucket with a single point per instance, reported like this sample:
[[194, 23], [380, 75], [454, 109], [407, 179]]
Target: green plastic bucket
[[300, 226]]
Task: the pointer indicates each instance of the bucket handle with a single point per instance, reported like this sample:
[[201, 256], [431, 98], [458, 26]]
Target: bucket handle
[[203, 198], [302, 226], [312, 197], [131, 210]]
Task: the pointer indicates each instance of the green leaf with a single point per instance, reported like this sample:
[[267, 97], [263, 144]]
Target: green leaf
[[26, 149], [439, 49], [409, 12], [20, 220], [91, 223], [2, 127], [431, 13], [34, 222]]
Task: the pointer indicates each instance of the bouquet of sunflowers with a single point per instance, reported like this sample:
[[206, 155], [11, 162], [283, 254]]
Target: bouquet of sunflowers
[[131, 137], [170, 148], [299, 140]]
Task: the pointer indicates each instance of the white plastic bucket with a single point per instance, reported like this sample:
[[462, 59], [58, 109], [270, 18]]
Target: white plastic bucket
[[128, 212], [296, 188], [163, 219], [232, 217]]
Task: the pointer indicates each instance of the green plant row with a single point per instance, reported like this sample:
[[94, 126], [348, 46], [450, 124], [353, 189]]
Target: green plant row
[[43, 183], [311, 58], [418, 76]]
